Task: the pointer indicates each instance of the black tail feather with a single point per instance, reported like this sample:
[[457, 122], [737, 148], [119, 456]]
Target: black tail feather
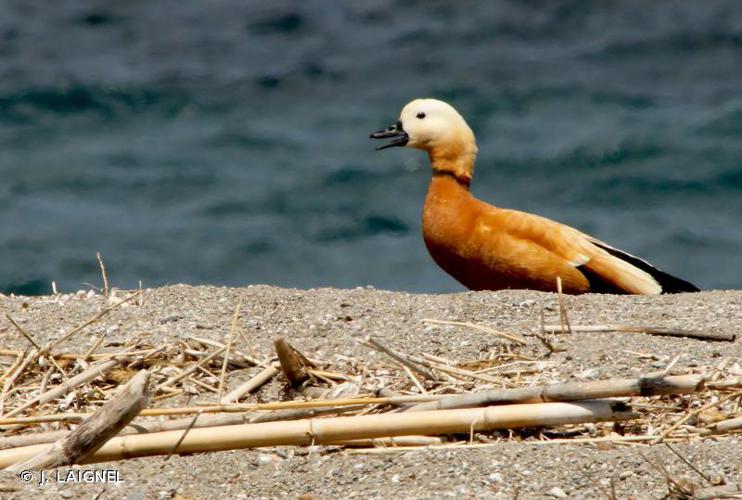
[[668, 282]]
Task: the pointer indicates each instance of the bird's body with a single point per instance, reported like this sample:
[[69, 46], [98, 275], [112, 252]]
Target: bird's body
[[489, 248]]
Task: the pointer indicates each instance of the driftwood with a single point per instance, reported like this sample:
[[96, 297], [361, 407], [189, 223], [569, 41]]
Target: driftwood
[[328, 430], [571, 391], [293, 363], [93, 432], [649, 330]]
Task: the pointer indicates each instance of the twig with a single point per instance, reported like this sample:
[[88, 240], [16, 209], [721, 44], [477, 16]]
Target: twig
[[232, 329], [649, 330], [687, 462], [23, 332], [185, 433]]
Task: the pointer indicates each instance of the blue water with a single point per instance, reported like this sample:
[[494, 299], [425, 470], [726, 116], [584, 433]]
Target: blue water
[[226, 142]]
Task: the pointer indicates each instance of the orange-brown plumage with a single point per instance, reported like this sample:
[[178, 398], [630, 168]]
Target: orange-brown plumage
[[489, 248]]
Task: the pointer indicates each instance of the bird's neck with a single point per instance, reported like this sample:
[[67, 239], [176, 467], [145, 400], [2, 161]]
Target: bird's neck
[[455, 160]]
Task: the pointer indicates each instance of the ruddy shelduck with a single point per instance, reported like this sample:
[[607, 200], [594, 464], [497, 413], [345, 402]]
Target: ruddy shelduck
[[489, 248]]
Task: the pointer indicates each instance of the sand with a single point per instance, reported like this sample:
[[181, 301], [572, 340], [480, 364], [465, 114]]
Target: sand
[[327, 323]]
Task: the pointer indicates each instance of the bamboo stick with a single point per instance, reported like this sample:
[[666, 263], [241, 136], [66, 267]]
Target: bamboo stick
[[182, 423], [571, 391], [93, 433], [327, 430], [649, 330]]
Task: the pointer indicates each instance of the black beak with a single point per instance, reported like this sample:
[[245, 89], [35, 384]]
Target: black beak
[[395, 132]]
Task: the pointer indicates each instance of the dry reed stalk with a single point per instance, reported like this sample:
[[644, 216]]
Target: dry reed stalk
[[14, 367], [462, 373], [509, 336], [326, 430], [185, 373], [401, 358], [571, 391], [10, 352], [39, 349], [8, 384], [260, 379], [232, 329], [454, 446], [232, 360], [414, 380], [649, 330], [103, 274], [92, 372], [41, 419], [94, 431], [694, 413], [733, 490], [96, 344], [386, 442], [89, 322], [563, 317], [213, 343], [728, 425], [329, 375], [23, 332]]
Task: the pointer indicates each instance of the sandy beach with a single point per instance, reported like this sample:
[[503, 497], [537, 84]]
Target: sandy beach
[[328, 324]]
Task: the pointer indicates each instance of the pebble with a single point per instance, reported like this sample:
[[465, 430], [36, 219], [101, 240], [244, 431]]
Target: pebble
[[557, 492]]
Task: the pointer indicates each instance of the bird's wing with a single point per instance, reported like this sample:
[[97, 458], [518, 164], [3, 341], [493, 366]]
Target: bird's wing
[[572, 247]]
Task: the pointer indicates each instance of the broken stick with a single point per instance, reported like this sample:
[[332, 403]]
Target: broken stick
[[96, 430]]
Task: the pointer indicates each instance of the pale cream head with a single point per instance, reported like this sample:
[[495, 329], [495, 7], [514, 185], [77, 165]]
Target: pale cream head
[[436, 127], [431, 123]]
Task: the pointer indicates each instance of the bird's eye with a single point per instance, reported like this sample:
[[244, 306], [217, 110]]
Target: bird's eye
[[421, 115]]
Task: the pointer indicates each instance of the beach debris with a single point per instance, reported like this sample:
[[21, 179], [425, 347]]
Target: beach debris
[[64, 406]]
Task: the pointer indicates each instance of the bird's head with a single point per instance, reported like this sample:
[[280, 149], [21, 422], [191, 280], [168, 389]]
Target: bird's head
[[436, 127]]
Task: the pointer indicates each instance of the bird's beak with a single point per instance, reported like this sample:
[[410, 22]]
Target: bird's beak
[[395, 132]]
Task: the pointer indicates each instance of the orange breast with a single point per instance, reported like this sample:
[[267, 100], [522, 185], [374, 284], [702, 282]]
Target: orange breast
[[472, 242]]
